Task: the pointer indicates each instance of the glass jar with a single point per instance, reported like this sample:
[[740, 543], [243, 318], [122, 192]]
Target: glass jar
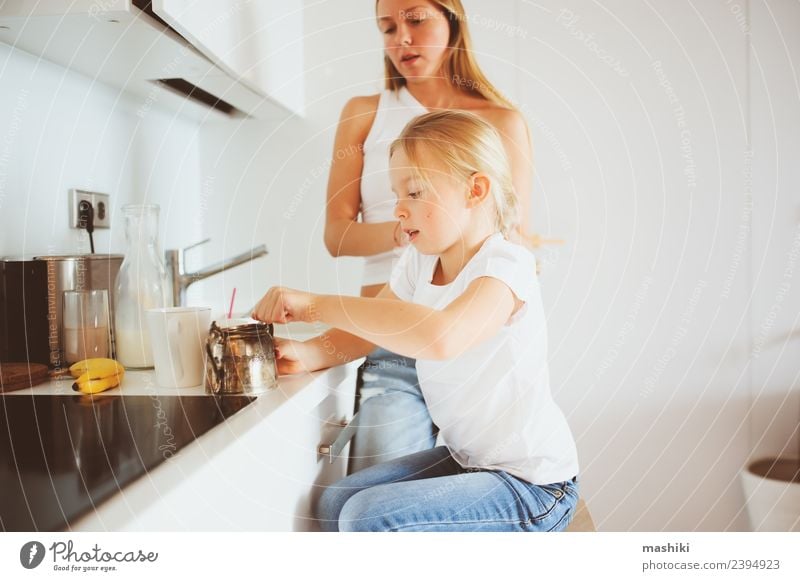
[[141, 285]]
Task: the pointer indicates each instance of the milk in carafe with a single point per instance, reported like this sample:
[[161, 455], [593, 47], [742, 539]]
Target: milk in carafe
[[141, 285]]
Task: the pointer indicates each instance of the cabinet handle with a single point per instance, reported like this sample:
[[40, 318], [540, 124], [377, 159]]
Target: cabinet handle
[[335, 448]]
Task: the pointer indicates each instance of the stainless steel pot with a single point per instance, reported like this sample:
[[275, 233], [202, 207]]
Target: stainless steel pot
[[241, 357], [30, 302]]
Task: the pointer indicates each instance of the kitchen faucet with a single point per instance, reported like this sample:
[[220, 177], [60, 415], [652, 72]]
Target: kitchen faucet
[[180, 279]]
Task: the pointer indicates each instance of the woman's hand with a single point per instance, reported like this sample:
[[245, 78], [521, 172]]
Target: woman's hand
[[400, 237], [285, 305], [291, 356], [534, 241]]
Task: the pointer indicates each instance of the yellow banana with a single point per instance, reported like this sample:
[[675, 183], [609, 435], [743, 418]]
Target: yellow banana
[[98, 367], [96, 375], [96, 385]]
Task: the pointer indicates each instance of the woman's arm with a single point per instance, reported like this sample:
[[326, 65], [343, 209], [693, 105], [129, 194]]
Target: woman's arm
[[344, 234], [513, 130], [405, 328]]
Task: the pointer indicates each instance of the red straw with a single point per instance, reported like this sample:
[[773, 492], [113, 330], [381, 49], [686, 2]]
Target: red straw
[[233, 297]]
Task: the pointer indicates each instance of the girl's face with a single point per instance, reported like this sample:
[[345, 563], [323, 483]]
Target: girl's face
[[415, 36], [434, 213]]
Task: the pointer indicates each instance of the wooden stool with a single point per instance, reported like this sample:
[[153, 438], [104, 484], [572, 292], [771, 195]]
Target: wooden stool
[[582, 521]]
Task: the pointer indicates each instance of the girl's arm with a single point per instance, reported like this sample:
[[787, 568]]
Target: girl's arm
[[405, 328], [334, 347], [344, 234]]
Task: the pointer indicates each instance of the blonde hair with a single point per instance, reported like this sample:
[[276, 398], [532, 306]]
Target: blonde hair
[[460, 67], [465, 144]]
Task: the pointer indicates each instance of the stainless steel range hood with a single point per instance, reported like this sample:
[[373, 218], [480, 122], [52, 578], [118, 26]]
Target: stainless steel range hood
[[116, 43]]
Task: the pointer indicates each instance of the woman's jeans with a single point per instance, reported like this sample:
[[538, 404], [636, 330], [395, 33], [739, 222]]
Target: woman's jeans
[[430, 491], [393, 419]]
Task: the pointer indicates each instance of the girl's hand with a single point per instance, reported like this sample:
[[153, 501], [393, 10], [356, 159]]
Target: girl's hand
[[285, 305], [291, 356]]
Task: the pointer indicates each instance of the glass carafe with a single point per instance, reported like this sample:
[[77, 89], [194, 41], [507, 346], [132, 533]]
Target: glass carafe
[[141, 285]]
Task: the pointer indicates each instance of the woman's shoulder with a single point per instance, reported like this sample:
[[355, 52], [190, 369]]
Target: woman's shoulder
[[505, 119], [363, 103], [361, 108], [358, 113]]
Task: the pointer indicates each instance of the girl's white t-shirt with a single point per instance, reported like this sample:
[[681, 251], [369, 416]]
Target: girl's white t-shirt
[[493, 403]]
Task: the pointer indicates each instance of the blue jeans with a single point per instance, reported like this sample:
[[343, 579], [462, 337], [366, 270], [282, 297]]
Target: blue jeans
[[430, 491], [393, 418]]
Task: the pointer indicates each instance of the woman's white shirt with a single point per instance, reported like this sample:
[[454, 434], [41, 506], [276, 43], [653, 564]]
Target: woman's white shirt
[[395, 110]]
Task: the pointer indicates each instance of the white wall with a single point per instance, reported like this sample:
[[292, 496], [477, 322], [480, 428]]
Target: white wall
[[266, 184], [775, 320], [669, 303], [646, 352], [60, 130]]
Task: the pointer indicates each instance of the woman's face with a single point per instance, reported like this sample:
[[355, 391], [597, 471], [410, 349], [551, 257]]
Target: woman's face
[[415, 36]]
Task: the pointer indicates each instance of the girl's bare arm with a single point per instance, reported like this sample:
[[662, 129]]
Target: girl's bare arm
[[402, 327]]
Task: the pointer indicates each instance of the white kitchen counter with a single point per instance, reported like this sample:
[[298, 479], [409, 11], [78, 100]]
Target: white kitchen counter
[[258, 470], [303, 391]]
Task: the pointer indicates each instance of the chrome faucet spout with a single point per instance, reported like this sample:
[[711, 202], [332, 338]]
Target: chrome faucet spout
[[218, 267], [181, 280]]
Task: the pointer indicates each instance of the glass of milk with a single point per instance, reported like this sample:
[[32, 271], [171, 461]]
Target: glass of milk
[[85, 325]]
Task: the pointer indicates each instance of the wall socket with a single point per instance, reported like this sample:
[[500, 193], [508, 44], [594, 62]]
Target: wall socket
[[102, 211]]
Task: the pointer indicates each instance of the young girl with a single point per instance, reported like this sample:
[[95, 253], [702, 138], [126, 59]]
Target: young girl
[[429, 64], [464, 301]]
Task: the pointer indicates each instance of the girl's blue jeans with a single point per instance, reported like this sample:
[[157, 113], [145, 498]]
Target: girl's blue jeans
[[393, 419], [430, 491]]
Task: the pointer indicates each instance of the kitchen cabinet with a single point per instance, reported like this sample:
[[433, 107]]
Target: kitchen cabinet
[[257, 43], [254, 71], [259, 470]]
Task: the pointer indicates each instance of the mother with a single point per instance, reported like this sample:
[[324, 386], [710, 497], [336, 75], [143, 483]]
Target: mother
[[429, 64]]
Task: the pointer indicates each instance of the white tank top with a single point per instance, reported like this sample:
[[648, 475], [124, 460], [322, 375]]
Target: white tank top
[[395, 110]]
